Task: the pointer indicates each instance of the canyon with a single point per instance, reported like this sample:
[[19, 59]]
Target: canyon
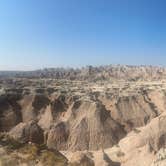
[[94, 116]]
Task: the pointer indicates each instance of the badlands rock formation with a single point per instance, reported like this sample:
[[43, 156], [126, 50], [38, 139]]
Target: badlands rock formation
[[109, 116], [90, 73]]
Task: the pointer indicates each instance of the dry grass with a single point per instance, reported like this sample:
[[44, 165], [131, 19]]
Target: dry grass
[[9, 142], [49, 158], [29, 153]]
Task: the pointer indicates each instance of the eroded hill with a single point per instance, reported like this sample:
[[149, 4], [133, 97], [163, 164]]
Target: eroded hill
[[107, 122]]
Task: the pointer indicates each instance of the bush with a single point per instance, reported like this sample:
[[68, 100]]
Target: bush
[[51, 158]]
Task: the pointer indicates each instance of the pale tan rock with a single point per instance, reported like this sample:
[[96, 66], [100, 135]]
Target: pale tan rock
[[81, 159]]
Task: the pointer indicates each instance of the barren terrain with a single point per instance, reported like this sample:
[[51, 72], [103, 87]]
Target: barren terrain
[[95, 116]]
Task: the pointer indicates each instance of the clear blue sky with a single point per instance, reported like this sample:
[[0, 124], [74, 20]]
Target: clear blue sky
[[52, 33]]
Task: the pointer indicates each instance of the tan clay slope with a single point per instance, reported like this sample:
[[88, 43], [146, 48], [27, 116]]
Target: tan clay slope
[[89, 121], [136, 110], [142, 147], [72, 122]]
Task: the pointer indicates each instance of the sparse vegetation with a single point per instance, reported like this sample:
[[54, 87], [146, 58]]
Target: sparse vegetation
[[136, 130], [9, 142], [120, 154], [30, 153], [49, 158]]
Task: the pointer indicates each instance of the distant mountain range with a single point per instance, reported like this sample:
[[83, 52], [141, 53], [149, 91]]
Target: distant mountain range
[[125, 72]]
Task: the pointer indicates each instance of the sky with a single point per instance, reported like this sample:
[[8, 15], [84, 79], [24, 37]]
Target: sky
[[73, 33]]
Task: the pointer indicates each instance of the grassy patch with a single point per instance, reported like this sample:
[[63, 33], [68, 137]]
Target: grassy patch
[[29, 153]]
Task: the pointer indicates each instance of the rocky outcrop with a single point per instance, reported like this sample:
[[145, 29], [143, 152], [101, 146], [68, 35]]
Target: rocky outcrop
[[131, 111], [81, 159], [160, 158], [28, 132], [152, 135], [93, 125], [101, 120], [32, 105], [58, 136], [144, 146]]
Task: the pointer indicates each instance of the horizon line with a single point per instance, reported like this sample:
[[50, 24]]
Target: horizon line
[[81, 67]]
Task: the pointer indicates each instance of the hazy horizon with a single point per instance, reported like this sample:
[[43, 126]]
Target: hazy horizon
[[60, 33]]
